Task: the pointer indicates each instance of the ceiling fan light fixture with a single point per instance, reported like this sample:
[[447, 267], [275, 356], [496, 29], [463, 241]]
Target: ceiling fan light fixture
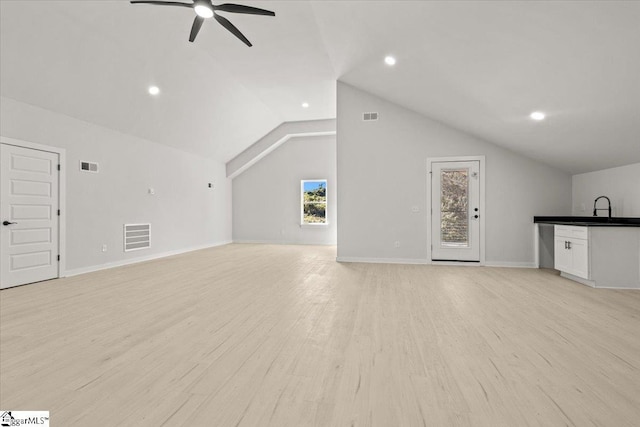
[[203, 10]]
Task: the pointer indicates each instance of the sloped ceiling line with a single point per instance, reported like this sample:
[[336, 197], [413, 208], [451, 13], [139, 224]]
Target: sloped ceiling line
[[276, 138]]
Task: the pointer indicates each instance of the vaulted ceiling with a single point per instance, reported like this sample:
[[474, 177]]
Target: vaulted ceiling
[[481, 67]]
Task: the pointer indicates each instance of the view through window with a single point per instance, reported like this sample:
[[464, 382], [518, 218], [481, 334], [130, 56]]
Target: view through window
[[454, 206], [314, 201]]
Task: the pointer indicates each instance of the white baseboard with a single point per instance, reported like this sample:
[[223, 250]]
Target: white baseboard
[[595, 285], [510, 264], [84, 270], [279, 242], [427, 262], [382, 260]]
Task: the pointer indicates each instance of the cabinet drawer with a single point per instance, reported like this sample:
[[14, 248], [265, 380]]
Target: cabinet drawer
[[580, 232], [562, 230], [571, 231]]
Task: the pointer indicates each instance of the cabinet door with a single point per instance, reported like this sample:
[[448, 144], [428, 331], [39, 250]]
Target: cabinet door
[[562, 257], [580, 258]]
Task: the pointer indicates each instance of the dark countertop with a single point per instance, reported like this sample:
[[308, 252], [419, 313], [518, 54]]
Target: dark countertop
[[588, 221]]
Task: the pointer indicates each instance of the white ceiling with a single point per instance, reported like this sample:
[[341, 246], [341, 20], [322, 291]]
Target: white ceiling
[[479, 66]]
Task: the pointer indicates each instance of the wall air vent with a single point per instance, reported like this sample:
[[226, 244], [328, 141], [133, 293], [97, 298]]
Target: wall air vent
[[367, 117], [137, 236], [88, 167]]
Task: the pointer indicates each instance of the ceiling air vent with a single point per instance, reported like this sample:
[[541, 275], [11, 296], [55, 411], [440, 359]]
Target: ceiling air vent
[[367, 117], [137, 236], [88, 167]]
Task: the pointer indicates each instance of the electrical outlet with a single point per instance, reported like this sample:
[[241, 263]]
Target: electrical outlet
[[104, 248], [396, 244], [151, 191]]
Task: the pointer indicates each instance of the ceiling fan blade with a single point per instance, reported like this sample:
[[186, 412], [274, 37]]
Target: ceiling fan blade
[[162, 3], [197, 24], [238, 8], [229, 26]]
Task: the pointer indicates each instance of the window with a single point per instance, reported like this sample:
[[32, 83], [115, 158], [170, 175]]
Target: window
[[314, 202], [454, 207]]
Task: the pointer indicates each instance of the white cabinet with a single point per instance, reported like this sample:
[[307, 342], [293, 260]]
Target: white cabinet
[[562, 257], [571, 247]]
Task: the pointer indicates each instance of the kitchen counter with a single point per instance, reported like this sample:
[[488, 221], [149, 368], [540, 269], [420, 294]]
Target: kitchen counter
[[600, 252], [588, 221]]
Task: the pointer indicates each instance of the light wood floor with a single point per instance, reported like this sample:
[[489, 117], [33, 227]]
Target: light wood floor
[[251, 335]]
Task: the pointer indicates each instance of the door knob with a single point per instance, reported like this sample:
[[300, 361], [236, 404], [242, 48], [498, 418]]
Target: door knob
[[8, 223]]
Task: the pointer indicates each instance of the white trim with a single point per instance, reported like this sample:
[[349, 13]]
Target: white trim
[[593, 284], [62, 194], [84, 270], [427, 262], [536, 245], [382, 260], [580, 280], [483, 210], [510, 264], [272, 147], [317, 226], [279, 242]]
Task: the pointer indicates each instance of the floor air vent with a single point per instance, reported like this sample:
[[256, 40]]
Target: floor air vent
[[136, 236]]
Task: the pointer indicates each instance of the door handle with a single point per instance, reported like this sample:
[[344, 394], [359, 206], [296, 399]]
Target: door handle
[[475, 216], [569, 243], [8, 223], [565, 244]]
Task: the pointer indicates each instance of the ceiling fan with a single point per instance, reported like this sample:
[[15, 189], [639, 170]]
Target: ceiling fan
[[206, 9]]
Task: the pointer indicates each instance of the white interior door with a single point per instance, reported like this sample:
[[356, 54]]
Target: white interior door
[[29, 198], [455, 205]]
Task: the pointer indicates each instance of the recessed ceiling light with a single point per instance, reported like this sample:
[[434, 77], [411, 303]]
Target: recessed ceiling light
[[305, 105], [537, 115], [154, 90], [390, 60], [203, 10]]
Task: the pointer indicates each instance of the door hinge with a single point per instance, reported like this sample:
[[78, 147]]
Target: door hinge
[[58, 167], [58, 257], [58, 212]]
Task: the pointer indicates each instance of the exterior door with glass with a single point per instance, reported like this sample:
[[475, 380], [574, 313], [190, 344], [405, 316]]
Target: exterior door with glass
[[455, 206]]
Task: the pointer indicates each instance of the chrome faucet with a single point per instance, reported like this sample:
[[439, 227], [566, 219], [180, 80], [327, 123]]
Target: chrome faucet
[[595, 202]]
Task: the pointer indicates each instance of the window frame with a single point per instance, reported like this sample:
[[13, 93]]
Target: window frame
[[304, 224]]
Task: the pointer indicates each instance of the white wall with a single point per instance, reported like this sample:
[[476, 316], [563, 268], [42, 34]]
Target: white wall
[[621, 185], [382, 174], [184, 213], [266, 197]]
